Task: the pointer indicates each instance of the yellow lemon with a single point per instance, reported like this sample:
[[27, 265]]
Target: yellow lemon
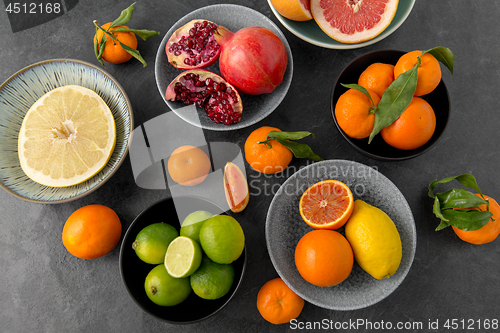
[[374, 239], [66, 137]]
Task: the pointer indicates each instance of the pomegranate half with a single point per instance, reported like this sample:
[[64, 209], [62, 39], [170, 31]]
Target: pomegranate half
[[220, 100]]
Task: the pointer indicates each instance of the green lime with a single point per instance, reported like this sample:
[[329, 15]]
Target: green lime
[[212, 280], [193, 223], [183, 257], [164, 289], [222, 239], [152, 241]]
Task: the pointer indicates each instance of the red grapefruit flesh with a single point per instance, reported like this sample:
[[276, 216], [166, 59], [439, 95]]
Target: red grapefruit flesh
[[235, 187], [353, 21]]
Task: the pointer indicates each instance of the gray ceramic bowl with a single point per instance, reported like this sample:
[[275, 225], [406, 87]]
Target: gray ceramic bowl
[[310, 32], [22, 89], [234, 18], [285, 227]]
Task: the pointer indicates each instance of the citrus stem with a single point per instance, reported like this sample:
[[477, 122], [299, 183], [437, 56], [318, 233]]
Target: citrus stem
[[266, 142], [107, 32]]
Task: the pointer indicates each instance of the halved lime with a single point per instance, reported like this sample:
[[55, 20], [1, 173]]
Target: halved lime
[[183, 257]]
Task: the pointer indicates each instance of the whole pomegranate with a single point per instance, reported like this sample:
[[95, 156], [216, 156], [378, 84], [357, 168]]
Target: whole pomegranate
[[253, 59], [209, 91]]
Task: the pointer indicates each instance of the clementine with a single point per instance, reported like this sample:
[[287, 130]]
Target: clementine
[[324, 257], [414, 127], [188, 165], [277, 303], [377, 77], [355, 113], [113, 51], [92, 231], [429, 71], [266, 156], [487, 233], [327, 204]]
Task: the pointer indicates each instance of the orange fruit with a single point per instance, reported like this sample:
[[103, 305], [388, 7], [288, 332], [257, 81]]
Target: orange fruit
[[414, 127], [429, 71], [353, 21], [270, 157], [113, 51], [295, 10], [188, 165], [487, 233], [277, 303], [354, 112], [92, 231], [328, 204], [324, 258], [235, 187], [377, 77]]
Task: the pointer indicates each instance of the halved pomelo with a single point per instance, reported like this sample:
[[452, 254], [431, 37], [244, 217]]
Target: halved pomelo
[[327, 204], [295, 10], [235, 187], [353, 21], [67, 136]]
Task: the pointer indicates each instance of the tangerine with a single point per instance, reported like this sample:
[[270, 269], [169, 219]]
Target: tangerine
[[113, 51], [487, 233], [429, 71], [92, 231], [266, 156], [414, 127], [324, 257], [377, 77], [188, 165], [355, 113], [277, 303], [295, 10]]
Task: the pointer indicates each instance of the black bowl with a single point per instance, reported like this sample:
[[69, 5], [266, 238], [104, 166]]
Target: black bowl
[[378, 148], [134, 271]]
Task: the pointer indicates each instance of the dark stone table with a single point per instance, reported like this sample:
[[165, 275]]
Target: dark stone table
[[45, 289]]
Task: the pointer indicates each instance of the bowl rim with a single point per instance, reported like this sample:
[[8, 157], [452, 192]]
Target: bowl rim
[[121, 263], [421, 150], [127, 146], [342, 46]]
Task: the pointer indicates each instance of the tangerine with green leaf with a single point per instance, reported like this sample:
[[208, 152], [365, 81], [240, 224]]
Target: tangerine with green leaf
[[429, 71], [113, 52]]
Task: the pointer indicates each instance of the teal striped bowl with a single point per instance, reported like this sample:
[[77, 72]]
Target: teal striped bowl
[[24, 88]]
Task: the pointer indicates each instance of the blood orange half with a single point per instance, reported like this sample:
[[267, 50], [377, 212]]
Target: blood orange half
[[353, 21], [327, 204]]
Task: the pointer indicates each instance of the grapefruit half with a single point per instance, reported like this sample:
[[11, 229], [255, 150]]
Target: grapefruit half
[[353, 21]]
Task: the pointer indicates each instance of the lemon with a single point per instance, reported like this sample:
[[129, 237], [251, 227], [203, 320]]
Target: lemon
[[67, 136], [374, 239], [183, 257]]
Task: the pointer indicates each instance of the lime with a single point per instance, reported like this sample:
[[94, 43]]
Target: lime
[[222, 239], [164, 289], [193, 223], [212, 280], [152, 241], [183, 257]]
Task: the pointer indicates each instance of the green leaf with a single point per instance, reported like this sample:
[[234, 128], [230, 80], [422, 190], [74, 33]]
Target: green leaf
[[99, 48], [444, 55], [299, 150], [359, 88], [459, 198], [144, 34], [467, 219], [442, 225], [437, 209], [134, 53], [395, 100], [465, 179], [124, 17]]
